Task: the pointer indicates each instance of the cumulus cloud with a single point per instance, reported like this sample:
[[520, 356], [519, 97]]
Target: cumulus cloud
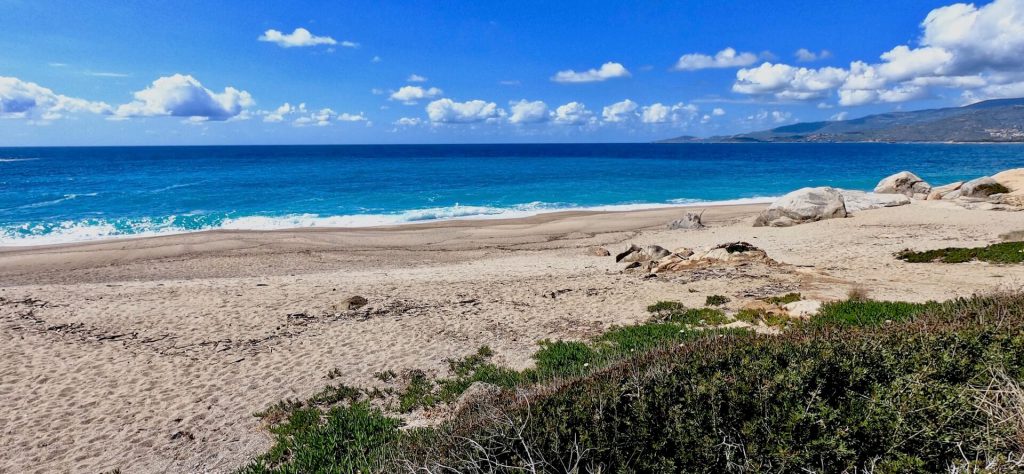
[[774, 117], [787, 82], [415, 78], [301, 37], [347, 117], [319, 118], [28, 100], [278, 114], [725, 58], [183, 96], [962, 46], [620, 111], [660, 113], [573, 113], [718, 112], [805, 55], [409, 121], [608, 70], [525, 111], [409, 95], [473, 111]]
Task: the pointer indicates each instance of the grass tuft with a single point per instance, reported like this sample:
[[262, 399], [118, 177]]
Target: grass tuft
[[1005, 252]]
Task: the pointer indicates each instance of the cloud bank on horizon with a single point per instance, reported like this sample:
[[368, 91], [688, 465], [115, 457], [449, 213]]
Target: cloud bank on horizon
[[962, 53]]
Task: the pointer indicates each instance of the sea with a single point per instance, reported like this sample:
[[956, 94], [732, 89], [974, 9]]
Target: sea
[[60, 195]]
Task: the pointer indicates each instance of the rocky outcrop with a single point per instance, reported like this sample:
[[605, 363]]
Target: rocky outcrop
[[636, 253], [690, 220], [857, 201], [803, 205], [981, 188], [730, 253], [905, 183], [940, 192]]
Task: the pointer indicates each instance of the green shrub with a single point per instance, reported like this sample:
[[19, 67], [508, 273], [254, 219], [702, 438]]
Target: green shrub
[[666, 306], [838, 394], [353, 438], [866, 312], [1005, 252], [716, 300], [784, 299]]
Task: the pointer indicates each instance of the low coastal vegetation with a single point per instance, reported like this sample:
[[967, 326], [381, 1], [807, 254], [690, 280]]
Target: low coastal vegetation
[[1005, 252], [862, 386]]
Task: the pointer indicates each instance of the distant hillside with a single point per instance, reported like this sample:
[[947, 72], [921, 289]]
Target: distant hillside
[[994, 121]]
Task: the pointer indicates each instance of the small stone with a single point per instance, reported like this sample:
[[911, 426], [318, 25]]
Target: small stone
[[353, 302], [598, 252]]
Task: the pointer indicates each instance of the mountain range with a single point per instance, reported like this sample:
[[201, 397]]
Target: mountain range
[[990, 121]]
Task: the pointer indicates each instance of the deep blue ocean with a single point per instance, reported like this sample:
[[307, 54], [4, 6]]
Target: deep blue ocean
[[54, 195]]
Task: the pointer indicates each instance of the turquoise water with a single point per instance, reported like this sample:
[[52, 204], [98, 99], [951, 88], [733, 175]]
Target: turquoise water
[[54, 195]]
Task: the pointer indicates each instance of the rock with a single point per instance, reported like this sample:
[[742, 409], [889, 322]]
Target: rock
[[353, 302], [1013, 179], [803, 205], [633, 266], [981, 188], [857, 201], [951, 195], [683, 252], [690, 220], [635, 253], [802, 308], [733, 252], [905, 183], [940, 192], [598, 252]]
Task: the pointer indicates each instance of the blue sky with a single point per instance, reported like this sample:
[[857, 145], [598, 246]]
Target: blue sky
[[131, 73]]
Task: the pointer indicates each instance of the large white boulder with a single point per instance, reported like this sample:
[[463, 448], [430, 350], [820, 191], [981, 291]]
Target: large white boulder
[[803, 205], [905, 183], [857, 201], [940, 192], [981, 188]]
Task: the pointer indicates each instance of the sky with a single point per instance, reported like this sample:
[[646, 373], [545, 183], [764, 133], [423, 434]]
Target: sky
[[253, 72]]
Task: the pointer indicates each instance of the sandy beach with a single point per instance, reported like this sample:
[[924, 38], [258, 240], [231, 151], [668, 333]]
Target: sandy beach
[[151, 355]]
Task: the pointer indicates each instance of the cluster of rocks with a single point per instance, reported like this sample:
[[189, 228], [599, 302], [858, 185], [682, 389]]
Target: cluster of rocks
[[1002, 191], [657, 259]]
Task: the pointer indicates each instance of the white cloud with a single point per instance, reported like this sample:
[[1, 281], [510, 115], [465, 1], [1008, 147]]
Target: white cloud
[[347, 117], [528, 112], [725, 58], [718, 112], [301, 37], [28, 100], [107, 74], [449, 111], [376, 59], [660, 113], [997, 91], [183, 96], [840, 116], [786, 82], [774, 116], [415, 78], [609, 70], [805, 55], [573, 113], [620, 111], [409, 95], [277, 115], [962, 46], [320, 118], [409, 121]]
